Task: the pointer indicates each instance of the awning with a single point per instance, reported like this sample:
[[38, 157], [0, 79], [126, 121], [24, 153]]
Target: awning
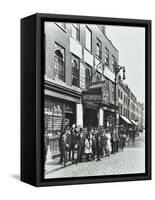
[[135, 123], [125, 119]]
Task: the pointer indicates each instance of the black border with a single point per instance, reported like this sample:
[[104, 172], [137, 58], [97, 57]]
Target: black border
[[40, 18]]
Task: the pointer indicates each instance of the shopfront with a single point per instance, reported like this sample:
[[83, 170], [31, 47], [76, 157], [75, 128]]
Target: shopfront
[[126, 124], [60, 109], [98, 110]]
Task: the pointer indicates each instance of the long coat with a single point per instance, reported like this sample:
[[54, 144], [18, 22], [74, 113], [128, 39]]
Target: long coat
[[108, 136], [88, 146]]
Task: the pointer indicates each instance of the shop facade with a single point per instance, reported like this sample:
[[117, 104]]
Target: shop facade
[[60, 110]]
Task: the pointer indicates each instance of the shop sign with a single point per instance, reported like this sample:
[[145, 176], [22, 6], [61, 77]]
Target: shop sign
[[96, 98]]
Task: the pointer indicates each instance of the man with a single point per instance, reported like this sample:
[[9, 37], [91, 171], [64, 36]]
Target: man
[[114, 141], [74, 145], [98, 146], [80, 141], [62, 147], [68, 142]]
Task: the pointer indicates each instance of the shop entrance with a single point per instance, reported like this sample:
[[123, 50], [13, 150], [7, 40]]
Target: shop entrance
[[90, 118], [109, 119]]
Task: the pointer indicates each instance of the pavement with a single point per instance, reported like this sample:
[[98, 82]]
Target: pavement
[[130, 161]]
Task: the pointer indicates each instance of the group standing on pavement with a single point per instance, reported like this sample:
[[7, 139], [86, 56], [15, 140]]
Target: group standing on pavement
[[89, 144]]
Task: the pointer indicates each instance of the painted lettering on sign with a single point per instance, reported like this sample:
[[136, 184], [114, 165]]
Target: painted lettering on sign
[[92, 97]]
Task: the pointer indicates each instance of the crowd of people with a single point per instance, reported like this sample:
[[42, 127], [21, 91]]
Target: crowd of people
[[89, 144]]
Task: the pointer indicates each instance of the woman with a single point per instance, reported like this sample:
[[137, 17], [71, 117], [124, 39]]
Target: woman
[[108, 147], [88, 147]]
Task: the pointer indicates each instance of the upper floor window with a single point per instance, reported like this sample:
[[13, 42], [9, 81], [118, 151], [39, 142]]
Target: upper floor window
[[113, 62], [121, 95], [76, 31], [59, 62], [75, 71], [88, 74], [98, 76], [106, 56], [99, 49], [88, 39], [124, 99], [118, 92]]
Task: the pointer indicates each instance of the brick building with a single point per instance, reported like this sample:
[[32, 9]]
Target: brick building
[[79, 79]]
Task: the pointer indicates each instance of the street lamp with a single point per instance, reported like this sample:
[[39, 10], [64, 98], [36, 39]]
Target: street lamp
[[117, 69]]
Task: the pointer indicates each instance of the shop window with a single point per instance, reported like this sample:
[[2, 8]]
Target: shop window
[[88, 39], [75, 71], [88, 73], [106, 57], [99, 49], [76, 31], [59, 62]]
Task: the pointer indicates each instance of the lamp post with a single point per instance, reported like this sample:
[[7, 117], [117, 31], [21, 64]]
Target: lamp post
[[117, 69]]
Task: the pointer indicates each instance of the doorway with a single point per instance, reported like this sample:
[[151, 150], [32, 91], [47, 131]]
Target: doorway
[[90, 118]]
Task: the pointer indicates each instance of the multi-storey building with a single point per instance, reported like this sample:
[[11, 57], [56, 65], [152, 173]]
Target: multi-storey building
[[79, 77], [79, 80], [123, 103]]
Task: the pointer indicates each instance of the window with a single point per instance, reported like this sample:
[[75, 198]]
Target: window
[[124, 112], [88, 74], [59, 62], [88, 39], [118, 92], [99, 49], [106, 56], [121, 95], [124, 99], [113, 62], [75, 71], [76, 31], [121, 109], [98, 76]]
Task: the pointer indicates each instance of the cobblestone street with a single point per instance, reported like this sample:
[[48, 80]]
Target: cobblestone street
[[131, 160]]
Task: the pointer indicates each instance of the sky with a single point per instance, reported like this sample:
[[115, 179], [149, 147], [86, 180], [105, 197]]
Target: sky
[[130, 43]]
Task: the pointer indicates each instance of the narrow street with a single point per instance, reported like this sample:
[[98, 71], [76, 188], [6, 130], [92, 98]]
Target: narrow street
[[131, 160]]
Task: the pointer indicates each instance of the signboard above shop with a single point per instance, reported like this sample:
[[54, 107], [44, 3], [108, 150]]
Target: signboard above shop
[[98, 93]]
